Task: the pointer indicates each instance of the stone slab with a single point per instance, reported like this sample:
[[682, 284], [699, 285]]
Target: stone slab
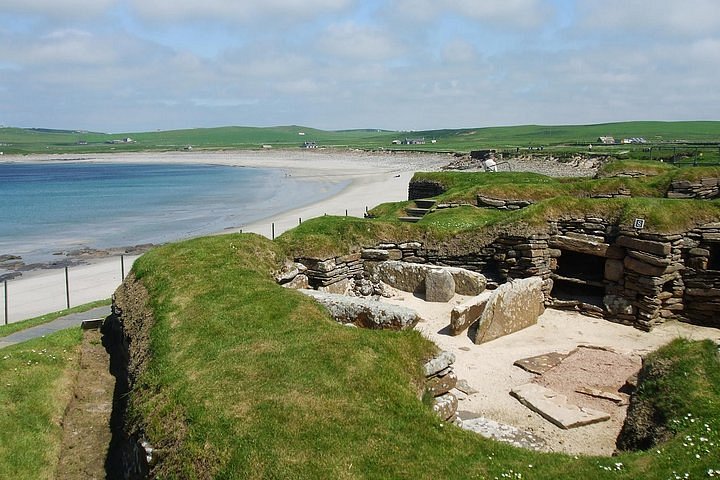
[[467, 313], [501, 432], [587, 244], [365, 313], [597, 393], [649, 246], [512, 306], [555, 408], [444, 360], [540, 364]]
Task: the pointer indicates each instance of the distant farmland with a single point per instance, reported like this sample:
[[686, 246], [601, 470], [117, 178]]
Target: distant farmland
[[698, 139]]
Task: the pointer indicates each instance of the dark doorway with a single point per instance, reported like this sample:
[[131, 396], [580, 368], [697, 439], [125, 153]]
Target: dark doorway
[[579, 277], [714, 260], [581, 266]]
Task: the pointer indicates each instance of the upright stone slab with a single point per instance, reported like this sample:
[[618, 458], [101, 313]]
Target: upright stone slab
[[513, 306], [439, 286], [465, 314]]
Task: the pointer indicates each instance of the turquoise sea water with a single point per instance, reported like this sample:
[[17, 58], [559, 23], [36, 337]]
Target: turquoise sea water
[[55, 207]]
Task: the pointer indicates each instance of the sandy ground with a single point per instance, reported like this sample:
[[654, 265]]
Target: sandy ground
[[489, 369]]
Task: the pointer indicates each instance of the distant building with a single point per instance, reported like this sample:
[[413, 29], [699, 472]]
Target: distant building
[[414, 141], [310, 145], [634, 140], [607, 140], [396, 142]]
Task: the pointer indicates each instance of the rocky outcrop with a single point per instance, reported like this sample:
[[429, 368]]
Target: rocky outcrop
[[365, 313], [513, 306]]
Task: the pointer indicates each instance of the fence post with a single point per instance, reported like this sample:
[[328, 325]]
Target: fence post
[[273, 231], [346, 212], [6, 300], [300, 221], [67, 287], [122, 267]]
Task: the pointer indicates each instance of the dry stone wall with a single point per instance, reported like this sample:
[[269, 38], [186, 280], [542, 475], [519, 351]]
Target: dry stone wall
[[424, 189], [586, 264], [704, 188]]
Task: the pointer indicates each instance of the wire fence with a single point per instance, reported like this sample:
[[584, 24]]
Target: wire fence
[[58, 289]]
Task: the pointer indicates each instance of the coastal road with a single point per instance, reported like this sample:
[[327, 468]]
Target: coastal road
[[42, 292]]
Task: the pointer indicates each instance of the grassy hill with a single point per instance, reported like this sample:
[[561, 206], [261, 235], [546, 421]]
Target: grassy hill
[[555, 138]]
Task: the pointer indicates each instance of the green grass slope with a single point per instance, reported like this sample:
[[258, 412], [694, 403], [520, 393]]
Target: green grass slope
[[250, 380]]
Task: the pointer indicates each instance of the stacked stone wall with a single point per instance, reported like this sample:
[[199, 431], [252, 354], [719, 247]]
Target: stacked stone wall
[[705, 188], [424, 189], [647, 278], [702, 275]]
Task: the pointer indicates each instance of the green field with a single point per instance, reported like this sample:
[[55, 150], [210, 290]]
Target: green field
[[679, 140]]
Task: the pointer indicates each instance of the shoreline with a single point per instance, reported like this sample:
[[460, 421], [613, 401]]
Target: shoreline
[[374, 178]]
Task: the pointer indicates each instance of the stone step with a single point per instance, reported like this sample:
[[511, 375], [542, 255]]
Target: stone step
[[417, 212], [409, 219], [425, 203]]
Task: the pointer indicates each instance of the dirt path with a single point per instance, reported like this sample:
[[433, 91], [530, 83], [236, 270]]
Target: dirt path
[[86, 425]]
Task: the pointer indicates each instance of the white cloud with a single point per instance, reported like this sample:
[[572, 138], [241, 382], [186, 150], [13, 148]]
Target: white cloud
[[662, 17], [523, 13], [58, 47], [459, 51], [233, 10], [59, 8], [352, 41]]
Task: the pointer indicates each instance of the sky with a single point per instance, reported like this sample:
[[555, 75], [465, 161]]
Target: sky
[[143, 65]]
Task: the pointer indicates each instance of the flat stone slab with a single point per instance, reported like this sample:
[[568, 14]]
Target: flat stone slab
[[365, 313], [604, 394], [502, 433], [542, 363], [555, 408]]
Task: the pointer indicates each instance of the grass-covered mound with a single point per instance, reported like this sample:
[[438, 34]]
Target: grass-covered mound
[[659, 410], [636, 178], [35, 381], [247, 379]]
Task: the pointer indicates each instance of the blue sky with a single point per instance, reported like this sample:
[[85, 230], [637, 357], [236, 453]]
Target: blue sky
[[135, 65]]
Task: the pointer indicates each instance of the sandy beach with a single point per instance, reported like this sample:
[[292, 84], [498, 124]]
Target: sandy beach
[[371, 179]]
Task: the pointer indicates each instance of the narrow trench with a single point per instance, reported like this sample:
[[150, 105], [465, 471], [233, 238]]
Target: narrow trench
[[93, 425], [86, 431], [114, 464]]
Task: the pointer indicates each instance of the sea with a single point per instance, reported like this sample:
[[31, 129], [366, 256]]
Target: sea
[[48, 208]]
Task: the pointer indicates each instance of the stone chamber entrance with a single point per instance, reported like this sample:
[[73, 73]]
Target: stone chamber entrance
[[579, 277]]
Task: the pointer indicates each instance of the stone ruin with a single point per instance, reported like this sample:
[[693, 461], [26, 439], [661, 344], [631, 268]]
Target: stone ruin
[[586, 264]]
